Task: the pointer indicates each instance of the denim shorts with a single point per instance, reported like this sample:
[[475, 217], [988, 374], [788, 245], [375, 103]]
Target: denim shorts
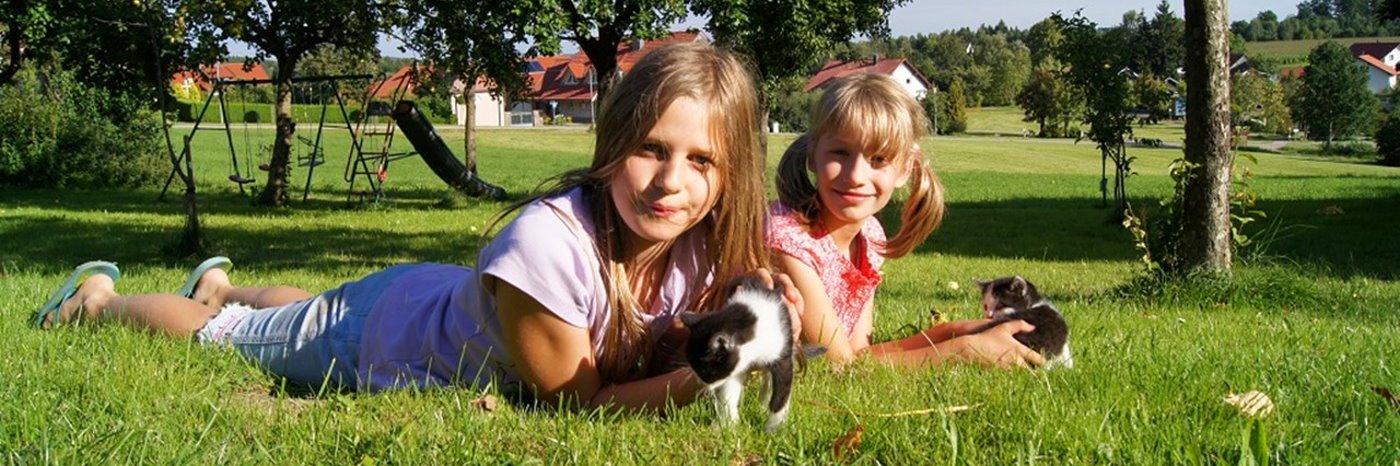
[[313, 342]]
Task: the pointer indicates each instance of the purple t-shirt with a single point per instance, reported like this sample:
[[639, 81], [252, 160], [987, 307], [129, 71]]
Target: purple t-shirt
[[437, 324]]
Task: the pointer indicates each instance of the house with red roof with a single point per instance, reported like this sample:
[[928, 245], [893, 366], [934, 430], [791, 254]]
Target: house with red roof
[[231, 71], [900, 69], [567, 84], [1380, 59]]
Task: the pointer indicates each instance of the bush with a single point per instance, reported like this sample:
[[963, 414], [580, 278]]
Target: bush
[[251, 116], [88, 138], [1388, 141]]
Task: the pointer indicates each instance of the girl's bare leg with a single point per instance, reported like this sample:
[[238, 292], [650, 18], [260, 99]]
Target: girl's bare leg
[[214, 289], [97, 300]]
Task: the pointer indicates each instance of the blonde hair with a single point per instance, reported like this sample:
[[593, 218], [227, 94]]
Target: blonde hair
[[627, 114], [888, 121]]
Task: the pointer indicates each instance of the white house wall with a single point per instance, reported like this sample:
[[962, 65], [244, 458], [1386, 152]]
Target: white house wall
[[490, 111], [906, 77]]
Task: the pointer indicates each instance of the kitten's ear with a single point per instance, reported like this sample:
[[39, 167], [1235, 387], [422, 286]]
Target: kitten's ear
[[689, 318], [982, 284], [1018, 285]]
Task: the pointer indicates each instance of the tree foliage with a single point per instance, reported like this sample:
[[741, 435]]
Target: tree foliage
[[598, 26], [1334, 101], [1096, 61], [1258, 103], [1049, 100], [786, 39], [1324, 19]]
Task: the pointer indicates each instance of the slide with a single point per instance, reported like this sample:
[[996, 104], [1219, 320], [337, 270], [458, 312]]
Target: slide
[[434, 150]]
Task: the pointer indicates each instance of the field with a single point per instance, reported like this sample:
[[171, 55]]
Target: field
[[1310, 319], [1295, 52]]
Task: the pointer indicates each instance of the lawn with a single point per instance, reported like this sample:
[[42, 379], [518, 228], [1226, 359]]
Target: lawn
[[1310, 320]]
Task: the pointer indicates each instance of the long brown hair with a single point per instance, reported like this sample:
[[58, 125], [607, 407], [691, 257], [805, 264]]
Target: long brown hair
[[627, 114], [889, 121]]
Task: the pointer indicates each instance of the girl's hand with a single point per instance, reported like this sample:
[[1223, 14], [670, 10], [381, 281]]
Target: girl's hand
[[997, 347], [791, 296]]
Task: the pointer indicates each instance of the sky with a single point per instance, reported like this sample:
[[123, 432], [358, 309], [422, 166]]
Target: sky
[[932, 16]]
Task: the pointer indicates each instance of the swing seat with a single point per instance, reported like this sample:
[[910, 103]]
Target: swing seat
[[240, 180]]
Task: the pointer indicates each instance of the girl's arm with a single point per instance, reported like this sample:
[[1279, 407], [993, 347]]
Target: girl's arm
[[994, 347], [820, 326], [556, 360]]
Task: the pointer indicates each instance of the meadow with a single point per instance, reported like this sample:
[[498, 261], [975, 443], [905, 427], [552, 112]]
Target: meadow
[[1295, 52], [1309, 319]]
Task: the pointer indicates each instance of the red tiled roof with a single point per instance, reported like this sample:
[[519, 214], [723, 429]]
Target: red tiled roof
[[836, 68], [229, 70], [1292, 71], [1375, 49], [1378, 64], [550, 84], [393, 81]]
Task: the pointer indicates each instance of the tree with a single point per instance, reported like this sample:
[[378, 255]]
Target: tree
[[1095, 61], [288, 30], [1163, 44], [598, 26], [1048, 100], [1205, 235], [1153, 95], [786, 39], [1334, 101], [1258, 103], [476, 42], [1043, 38], [954, 106]]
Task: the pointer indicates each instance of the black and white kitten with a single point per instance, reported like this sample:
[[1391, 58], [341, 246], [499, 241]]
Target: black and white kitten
[[752, 332], [1015, 298]]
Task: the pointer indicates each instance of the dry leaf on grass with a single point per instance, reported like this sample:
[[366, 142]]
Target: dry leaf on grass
[[485, 403], [1252, 403], [847, 444], [1388, 395], [746, 460]]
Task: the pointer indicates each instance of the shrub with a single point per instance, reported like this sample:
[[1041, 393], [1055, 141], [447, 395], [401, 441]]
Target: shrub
[[251, 116], [1388, 141], [87, 138]]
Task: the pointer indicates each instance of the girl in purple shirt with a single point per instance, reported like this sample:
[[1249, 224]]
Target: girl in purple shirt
[[567, 300]]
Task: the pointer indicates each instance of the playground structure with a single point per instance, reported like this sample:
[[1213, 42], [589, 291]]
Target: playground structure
[[372, 131]]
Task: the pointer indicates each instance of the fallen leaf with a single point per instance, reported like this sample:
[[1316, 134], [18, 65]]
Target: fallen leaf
[[1252, 403], [936, 317], [847, 444], [953, 285], [747, 460], [1388, 395], [1331, 210], [485, 403]]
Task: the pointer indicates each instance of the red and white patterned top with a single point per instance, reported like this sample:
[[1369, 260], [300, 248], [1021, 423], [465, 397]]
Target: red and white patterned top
[[849, 284]]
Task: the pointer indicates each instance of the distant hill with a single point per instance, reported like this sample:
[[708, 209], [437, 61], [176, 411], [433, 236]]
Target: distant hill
[[1295, 52]]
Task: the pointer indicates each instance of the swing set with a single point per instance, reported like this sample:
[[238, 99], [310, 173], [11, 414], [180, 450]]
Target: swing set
[[322, 91]]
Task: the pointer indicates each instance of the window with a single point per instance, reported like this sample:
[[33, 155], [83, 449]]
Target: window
[[569, 79]]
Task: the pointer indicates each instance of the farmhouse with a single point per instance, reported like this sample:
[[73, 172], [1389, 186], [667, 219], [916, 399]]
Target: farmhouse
[[898, 68], [187, 80], [1380, 59]]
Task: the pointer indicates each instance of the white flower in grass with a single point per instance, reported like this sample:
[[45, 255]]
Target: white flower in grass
[[952, 285], [1252, 403]]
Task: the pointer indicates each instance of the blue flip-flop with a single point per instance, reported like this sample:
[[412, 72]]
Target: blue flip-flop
[[216, 262], [50, 311]]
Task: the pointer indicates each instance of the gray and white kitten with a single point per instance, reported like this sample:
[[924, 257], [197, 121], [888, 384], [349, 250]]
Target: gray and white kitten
[[1015, 298], [752, 332]]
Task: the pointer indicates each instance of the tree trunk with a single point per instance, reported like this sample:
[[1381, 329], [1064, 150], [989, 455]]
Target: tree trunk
[[275, 190], [469, 125], [602, 53], [1205, 214], [14, 42]]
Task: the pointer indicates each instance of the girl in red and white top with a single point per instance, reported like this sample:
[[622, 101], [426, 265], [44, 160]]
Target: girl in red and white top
[[861, 148]]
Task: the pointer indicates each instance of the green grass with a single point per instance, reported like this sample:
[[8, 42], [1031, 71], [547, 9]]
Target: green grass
[[1310, 321]]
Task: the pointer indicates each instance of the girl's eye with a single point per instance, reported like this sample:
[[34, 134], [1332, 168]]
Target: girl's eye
[[879, 160], [702, 161], [653, 150]]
